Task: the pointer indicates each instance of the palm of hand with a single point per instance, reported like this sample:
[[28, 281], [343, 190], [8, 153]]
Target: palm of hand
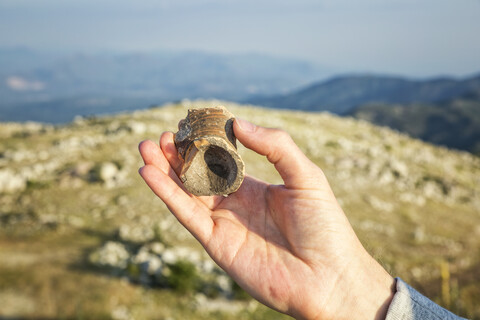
[[288, 246], [264, 240]]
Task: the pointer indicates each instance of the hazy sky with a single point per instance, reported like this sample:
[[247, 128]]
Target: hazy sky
[[408, 37]]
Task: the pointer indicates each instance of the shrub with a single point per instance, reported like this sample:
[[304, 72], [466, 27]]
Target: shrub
[[183, 276]]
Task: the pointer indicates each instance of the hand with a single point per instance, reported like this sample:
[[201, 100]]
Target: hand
[[290, 246]]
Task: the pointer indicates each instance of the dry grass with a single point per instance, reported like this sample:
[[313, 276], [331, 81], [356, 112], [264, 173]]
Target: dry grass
[[48, 228]]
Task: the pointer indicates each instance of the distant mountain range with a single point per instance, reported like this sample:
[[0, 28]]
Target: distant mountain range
[[54, 87], [443, 111], [342, 94]]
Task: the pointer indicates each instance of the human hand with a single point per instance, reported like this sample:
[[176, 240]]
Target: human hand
[[290, 246]]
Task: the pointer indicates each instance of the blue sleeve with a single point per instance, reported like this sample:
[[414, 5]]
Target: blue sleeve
[[409, 304]]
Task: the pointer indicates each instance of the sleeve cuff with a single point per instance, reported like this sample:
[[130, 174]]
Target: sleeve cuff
[[409, 304]]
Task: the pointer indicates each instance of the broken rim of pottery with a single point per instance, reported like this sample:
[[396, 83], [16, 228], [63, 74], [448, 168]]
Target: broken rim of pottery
[[206, 144]]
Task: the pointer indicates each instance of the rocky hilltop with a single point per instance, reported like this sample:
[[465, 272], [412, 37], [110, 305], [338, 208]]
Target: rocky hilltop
[[82, 236]]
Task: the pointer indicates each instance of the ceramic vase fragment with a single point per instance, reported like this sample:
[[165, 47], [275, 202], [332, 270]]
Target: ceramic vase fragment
[[207, 145]]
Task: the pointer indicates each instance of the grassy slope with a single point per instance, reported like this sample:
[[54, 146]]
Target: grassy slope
[[414, 206]]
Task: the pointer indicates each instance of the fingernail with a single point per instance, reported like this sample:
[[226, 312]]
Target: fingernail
[[245, 125], [140, 170]]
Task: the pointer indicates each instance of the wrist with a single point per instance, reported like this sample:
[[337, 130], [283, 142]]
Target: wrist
[[363, 292]]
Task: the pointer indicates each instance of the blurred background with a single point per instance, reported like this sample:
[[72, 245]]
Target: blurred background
[[82, 82]]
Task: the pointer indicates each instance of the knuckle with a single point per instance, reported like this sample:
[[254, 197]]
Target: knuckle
[[282, 135], [281, 142]]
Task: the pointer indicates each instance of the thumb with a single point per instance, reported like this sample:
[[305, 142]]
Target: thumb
[[297, 171]]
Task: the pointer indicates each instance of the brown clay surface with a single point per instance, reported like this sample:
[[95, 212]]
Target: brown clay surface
[[207, 145]]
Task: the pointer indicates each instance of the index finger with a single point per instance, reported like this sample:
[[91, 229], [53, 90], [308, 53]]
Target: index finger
[[191, 213]]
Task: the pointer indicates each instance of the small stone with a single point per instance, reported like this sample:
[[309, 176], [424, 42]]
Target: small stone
[[11, 182], [135, 233], [108, 171], [111, 254]]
